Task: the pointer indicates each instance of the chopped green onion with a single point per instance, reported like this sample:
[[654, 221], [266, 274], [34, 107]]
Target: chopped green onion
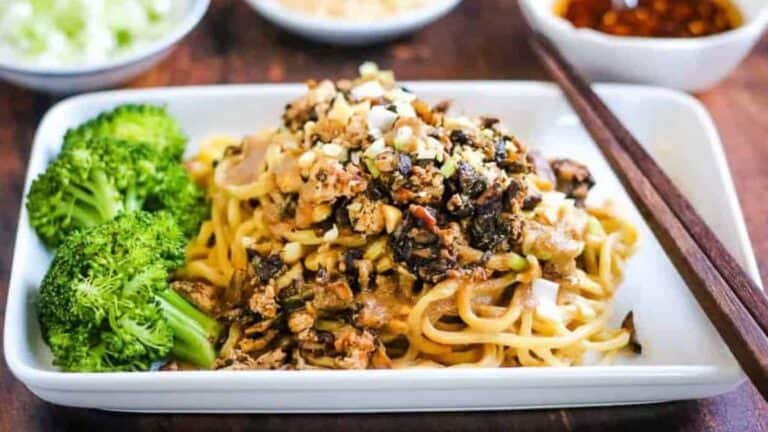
[[372, 168], [328, 325], [517, 262], [449, 167]]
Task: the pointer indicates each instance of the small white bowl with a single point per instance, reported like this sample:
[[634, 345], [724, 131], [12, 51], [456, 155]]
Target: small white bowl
[[75, 79], [348, 32], [692, 64]]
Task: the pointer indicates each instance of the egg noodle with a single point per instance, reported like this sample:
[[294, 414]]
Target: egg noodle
[[541, 300]]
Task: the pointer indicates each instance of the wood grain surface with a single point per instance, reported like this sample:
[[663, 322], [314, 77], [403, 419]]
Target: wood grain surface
[[480, 40]]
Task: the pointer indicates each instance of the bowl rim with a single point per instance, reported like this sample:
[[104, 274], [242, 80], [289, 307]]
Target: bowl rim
[[196, 9], [274, 11], [753, 27]]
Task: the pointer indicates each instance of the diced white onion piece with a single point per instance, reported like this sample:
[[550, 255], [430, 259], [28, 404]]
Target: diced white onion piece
[[355, 157], [325, 91], [376, 148], [473, 158], [392, 217], [368, 90], [460, 122], [306, 159], [426, 151], [434, 142], [292, 252], [340, 111], [332, 234], [438, 146], [400, 95], [544, 293], [426, 154], [404, 109], [551, 203], [309, 128], [368, 69], [491, 173], [333, 150], [362, 107], [510, 147], [380, 120]]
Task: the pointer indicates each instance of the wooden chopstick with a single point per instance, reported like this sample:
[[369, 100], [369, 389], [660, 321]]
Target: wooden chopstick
[[730, 299]]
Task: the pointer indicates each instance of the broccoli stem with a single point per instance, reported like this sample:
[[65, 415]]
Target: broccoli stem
[[132, 201], [195, 332], [100, 195], [107, 195], [83, 216]]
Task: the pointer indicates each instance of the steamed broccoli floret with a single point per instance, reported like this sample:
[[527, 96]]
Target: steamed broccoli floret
[[88, 185], [105, 303], [136, 123], [177, 194]]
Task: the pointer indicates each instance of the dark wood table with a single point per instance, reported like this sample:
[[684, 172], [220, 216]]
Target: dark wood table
[[478, 41]]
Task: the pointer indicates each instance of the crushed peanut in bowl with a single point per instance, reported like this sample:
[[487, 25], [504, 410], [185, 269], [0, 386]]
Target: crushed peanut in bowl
[[359, 10]]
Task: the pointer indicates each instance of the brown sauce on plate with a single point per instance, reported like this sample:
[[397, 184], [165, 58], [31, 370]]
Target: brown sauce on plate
[[653, 18]]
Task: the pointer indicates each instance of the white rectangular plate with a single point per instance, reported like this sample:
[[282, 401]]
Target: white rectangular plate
[[683, 357]]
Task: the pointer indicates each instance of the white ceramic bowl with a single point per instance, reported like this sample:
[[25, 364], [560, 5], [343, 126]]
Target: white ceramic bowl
[[682, 357], [346, 32], [75, 79], [693, 64]]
